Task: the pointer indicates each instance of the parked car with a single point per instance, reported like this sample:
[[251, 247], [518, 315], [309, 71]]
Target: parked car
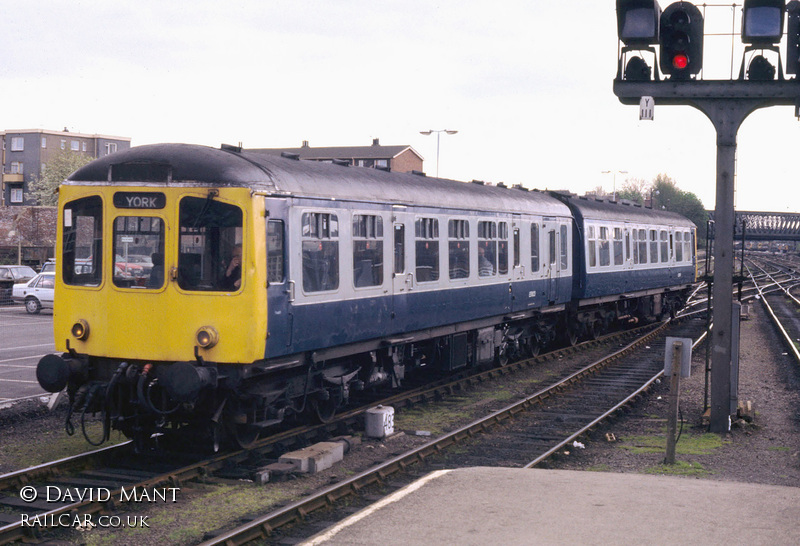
[[36, 294], [48, 267], [11, 275], [134, 265]]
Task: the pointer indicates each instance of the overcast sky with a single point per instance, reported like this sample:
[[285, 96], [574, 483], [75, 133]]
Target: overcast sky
[[527, 84]]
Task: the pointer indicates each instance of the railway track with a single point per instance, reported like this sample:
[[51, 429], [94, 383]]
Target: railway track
[[526, 432], [117, 470], [556, 408], [781, 305]]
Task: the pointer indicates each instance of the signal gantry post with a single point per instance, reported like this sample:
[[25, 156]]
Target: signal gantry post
[[679, 33]]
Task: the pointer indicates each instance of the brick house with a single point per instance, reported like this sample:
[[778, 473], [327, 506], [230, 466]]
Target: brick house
[[399, 158]]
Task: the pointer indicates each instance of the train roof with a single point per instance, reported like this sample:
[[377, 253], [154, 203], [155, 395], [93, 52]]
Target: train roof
[[620, 211], [174, 164]]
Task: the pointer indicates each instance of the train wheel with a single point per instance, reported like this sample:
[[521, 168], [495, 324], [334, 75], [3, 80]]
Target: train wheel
[[324, 409], [244, 436], [241, 434], [572, 337], [502, 353]]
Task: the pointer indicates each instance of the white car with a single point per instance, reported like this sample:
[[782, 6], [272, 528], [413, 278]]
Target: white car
[[36, 294]]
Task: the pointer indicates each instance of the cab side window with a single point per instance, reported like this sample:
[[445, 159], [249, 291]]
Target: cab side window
[[83, 242], [210, 253], [275, 252]]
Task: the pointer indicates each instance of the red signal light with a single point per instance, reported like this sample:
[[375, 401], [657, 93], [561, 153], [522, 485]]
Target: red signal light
[[680, 61]]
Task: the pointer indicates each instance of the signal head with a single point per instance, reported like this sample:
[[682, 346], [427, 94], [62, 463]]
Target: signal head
[[762, 21], [681, 40], [637, 22]]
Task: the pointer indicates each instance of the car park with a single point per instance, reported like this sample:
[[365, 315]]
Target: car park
[[36, 294], [11, 275]]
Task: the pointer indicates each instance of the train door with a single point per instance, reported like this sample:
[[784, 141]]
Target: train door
[[280, 285], [516, 250], [628, 242], [550, 228], [403, 281], [671, 253]]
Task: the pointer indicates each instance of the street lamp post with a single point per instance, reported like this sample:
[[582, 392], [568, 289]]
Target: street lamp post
[[438, 134], [614, 197]]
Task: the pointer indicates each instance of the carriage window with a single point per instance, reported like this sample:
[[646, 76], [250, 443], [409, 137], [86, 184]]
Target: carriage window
[[458, 248], [275, 255], [564, 248], [605, 250], [83, 242], [664, 253], [617, 246], [678, 246], [320, 233], [642, 246], [653, 246], [635, 246], [687, 246], [487, 249], [367, 250], [502, 248], [138, 252], [399, 248], [591, 246], [516, 247], [627, 245], [534, 247], [552, 240], [426, 232], [210, 254]]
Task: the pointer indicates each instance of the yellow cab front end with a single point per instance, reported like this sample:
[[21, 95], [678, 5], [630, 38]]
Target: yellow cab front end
[[158, 296], [160, 282]]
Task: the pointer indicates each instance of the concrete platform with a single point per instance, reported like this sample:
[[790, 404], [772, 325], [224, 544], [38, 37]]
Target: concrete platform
[[480, 506]]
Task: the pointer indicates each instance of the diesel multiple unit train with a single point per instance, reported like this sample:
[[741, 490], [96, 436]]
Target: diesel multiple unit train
[[222, 291]]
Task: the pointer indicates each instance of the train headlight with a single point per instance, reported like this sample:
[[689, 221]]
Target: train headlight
[[206, 337], [80, 330]]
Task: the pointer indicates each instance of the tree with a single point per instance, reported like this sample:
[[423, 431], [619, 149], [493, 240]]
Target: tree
[[667, 196], [44, 188], [634, 189]]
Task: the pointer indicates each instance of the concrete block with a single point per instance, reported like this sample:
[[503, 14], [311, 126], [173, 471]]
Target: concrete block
[[280, 469], [348, 442], [261, 476], [315, 458]]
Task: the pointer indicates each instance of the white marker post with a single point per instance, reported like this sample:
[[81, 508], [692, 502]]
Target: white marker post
[[677, 364]]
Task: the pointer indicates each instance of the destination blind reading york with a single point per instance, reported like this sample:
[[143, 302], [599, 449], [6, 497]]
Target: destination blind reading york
[[139, 200]]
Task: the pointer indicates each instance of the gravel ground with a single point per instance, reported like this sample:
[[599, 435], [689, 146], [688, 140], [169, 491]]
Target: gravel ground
[[766, 451]]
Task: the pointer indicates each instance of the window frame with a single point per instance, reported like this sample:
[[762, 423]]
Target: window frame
[[367, 229], [326, 234], [272, 254], [138, 283], [458, 247], [426, 232]]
